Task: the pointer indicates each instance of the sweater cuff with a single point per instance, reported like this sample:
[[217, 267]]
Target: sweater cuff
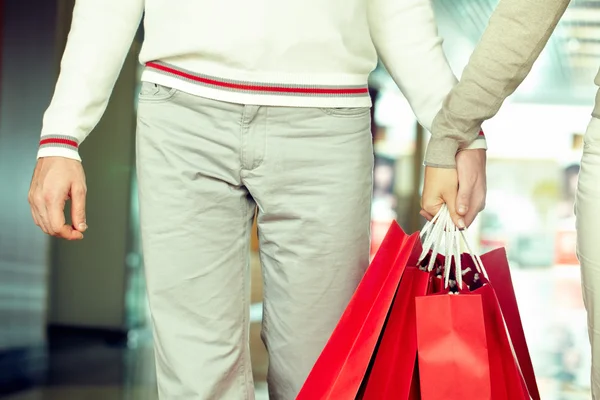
[[478, 144], [441, 153], [59, 146]]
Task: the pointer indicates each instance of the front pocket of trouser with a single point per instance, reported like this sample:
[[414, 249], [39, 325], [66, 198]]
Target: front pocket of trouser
[[155, 92], [347, 112]]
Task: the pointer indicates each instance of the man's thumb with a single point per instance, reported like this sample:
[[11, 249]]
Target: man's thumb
[[458, 220], [463, 201], [78, 208]]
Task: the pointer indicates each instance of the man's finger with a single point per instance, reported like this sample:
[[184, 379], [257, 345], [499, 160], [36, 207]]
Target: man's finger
[[55, 208], [470, 165], [35, 218], [67, 232], [57, 223], [470, 216], [39, 220], [463, 200], [39, 207], [78, 208], [450, 199]]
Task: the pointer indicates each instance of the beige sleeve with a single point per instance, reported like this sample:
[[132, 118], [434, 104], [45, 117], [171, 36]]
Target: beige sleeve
[[514, 38]]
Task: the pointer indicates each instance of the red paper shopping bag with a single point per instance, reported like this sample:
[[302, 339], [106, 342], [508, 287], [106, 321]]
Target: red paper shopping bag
[[393, 366], [415, 386], [504, 381], [341, 367], [507, 380], [452, 348], [498, 269]]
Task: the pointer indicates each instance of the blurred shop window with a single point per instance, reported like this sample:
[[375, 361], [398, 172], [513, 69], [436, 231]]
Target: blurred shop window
[[531, 183], [395, 148], [566, 236], [533, 162]]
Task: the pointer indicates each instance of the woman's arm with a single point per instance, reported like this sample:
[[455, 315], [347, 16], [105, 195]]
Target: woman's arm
[[516, 34]]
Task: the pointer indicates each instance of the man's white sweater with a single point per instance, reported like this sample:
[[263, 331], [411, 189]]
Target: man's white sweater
[[295, 53]]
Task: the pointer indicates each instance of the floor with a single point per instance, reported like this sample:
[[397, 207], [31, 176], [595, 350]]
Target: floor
[[90, 369], [101, 393], [84, 368]]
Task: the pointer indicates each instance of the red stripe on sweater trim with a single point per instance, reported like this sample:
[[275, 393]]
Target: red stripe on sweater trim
[[257, 88], [65, 142]]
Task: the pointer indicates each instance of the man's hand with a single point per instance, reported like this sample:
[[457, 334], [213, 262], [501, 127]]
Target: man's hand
[[463, 189], [55, 180], [472, 183]]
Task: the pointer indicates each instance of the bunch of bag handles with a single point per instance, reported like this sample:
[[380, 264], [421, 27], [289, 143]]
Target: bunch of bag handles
[[442, 236]]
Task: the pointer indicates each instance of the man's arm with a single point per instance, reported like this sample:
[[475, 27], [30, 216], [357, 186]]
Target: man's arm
[[516, 34], [100, 37], [99, 40], [406, 38]]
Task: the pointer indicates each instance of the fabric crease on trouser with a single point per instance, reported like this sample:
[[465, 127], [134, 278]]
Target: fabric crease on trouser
[[204, 167]]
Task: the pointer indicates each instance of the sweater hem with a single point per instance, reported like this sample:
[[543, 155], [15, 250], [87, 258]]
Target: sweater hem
[[261, 91]]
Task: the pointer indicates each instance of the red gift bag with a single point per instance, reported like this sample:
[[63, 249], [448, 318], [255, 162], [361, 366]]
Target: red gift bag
[[415, 387], [464, 347], [452, 348], [341, 367], [507, 380], [403, 336], [498, 269], [470, 358], [392, 372]]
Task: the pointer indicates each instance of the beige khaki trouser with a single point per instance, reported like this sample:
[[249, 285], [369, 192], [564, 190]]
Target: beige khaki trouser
[[588, 241], [203, 168]]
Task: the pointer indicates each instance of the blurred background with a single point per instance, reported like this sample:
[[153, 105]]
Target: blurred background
[[73, 316]]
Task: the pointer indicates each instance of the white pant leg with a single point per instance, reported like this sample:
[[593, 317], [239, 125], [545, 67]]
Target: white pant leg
[[311, 176], [588, 241], [196, 219]]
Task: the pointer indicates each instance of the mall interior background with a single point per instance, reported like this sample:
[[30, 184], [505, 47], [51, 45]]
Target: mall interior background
[[73, 316]]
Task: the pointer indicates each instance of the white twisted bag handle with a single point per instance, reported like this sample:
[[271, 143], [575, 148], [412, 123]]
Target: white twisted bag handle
[[431, 236], [442, 233]]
